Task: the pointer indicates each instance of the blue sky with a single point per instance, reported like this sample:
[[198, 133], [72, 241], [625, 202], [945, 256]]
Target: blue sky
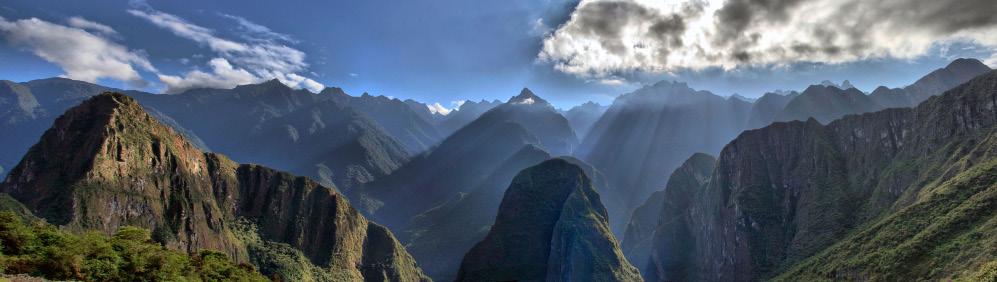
[[432, 51]]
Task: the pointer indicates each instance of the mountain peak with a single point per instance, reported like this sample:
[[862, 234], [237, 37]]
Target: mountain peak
[[550, 219], [273, 84], [966, 63], [526, 97]]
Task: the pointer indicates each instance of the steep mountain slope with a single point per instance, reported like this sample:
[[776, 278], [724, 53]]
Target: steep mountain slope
[[293, 130], [107, 163], [899, 193], [647, 134], [466, 158], [550, 226], [414, 130], [654, 236], [465, 114], [583, 116], [439, 237]]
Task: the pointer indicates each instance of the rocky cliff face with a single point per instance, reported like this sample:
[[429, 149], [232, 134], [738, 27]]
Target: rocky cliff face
[[786, 192], [550, 226], [107, 163]]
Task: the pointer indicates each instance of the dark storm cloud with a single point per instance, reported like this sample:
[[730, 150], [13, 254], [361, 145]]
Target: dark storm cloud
[[732, 33]]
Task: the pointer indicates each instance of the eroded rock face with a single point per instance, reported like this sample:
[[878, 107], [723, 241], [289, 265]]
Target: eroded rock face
[[107, 163], [550, 226], [785, 192]]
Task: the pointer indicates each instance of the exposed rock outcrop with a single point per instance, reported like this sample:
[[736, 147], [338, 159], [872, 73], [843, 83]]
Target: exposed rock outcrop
[[107, 163]]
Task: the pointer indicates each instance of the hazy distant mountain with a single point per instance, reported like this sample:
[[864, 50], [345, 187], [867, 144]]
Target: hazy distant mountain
[[550, 226], [765, 109], [467, 157], [899, 194], [399, 119], [886, 98], [943, 79], [106, 164], [294, 130], [647, 134], [583, 116], [826, 103], [829, 101], [466, 113], [422, 110]]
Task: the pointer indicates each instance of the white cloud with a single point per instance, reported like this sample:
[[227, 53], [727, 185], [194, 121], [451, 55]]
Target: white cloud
[[81, 54], [262, 56], [85, 24], [259, 32], [222, 75], [604, 38]]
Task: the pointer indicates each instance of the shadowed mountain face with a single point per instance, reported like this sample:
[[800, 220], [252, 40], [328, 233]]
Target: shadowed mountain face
[[411, 126], [550, 226], [466, 158], [439, 237], [583, 116], [866, 197], [647, 134], [655, 237], [106, 164], [294, 130]]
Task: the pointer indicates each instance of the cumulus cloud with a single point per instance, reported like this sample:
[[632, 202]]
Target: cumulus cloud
[[262, 56], [222, 75], [604, 38], [82, 55]]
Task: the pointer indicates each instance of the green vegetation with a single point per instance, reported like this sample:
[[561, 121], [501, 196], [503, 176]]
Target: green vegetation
[[942, 236], [42, 250], [280, 260]]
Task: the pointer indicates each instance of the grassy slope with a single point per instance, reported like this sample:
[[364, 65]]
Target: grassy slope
[[945, 231]]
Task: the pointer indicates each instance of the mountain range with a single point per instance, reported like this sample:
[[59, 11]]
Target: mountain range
[[106, 164], [880, 196], [668, 183]]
